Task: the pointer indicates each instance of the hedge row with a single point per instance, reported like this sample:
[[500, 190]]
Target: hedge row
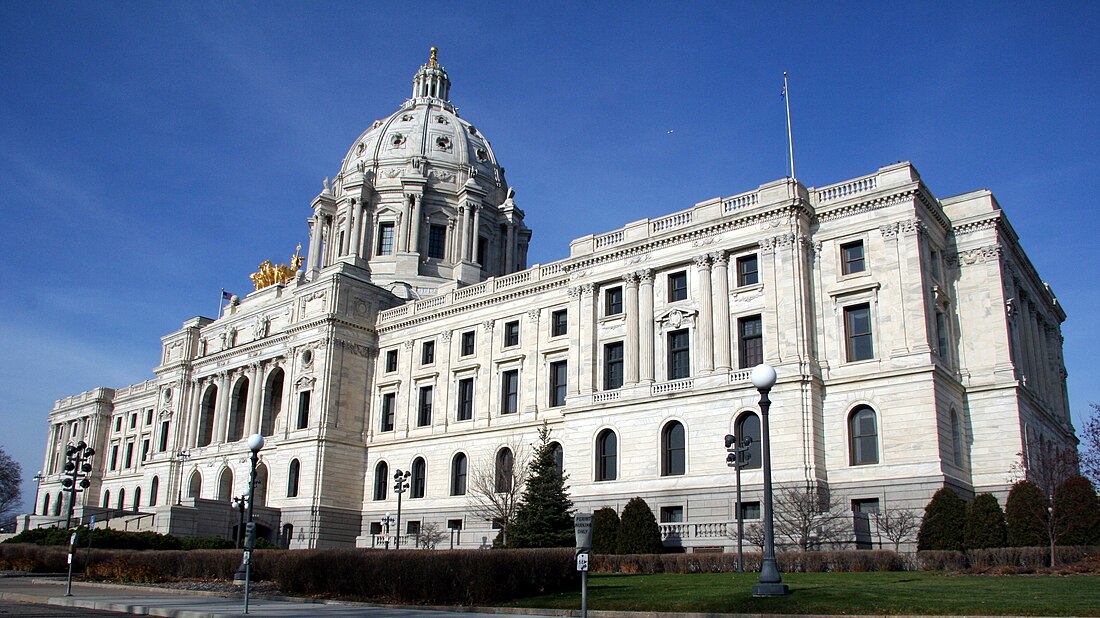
[[107, 538], [789, 562], [418, 577], [1024, 557]]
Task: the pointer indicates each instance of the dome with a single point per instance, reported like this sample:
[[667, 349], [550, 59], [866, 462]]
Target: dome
[[426, 137]]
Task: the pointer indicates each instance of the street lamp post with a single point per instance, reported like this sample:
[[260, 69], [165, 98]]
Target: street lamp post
[[181, 458], [771, 583], [239, 503], [386, 522], [76, 480], [37, 490], [738, 458], [255, 443], [400, 486]]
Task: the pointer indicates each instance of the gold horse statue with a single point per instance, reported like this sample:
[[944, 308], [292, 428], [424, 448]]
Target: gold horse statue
[[270, 274]]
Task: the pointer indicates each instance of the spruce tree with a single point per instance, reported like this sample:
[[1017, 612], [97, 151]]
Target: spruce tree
[[638, 530], [605, 531], [944, 518], [1026, 516], [543, 518], [1076, 513], [985, 523]]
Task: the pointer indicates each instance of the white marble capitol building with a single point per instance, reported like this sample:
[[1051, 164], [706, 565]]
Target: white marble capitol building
[[916, 347]]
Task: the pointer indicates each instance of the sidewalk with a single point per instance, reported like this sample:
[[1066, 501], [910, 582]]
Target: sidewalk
[[195, 604]]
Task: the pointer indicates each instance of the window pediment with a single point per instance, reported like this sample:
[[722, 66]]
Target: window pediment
[[676, 318]]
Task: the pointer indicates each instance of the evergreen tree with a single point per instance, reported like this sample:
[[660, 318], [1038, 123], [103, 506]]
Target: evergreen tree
[[605, 531], [985, 523], [543, 518], [638, 530], [944, 519], [1076, 513], [1026, 516]]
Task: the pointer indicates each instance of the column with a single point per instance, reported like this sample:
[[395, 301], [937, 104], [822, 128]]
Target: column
[[356, 228], [314, 242], [221, 416], [584, 324], [510, 250], [721, 308], [414, 223], [191, 438], [345, 244], [630, 347], [645, 321], [452, 241], [464, 234], [475, 234], [403, 225], [255, 405], [703, 327]]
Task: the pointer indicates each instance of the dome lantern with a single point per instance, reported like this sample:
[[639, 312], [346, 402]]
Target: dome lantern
[[431, 80]]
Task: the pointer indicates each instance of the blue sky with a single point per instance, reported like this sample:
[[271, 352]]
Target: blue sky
[[154, 153]]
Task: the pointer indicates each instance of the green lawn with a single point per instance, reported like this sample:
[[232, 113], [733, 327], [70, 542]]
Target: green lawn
[[840, 593]]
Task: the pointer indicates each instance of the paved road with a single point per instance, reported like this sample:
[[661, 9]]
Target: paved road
[[39, 610], [189, 604]]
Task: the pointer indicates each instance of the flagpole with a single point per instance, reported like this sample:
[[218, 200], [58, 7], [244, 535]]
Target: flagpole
[[221, 299], [790, 138]]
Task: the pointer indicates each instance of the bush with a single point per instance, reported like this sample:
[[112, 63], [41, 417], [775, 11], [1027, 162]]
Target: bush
[[102, 538], [638, 530], [985, 523], [788, 562], [605, 531], [1076, 512], [942, 526], [941, 560], [1026, 515]]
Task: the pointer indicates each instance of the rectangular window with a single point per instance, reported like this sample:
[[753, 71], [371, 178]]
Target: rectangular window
[[385, 239], [391, 361], [559, 376], [613, 301], [934, 258], [672, 514], [748, 270], [677, 286], [144, 449], [750, 510], [128, 458], [389, 403], [511, 334], [148, 417], [303, 409], [482, 250], [467, 343], [857, 330], [163, 445], [750, 345], [413, 527], [465, 399], [612, 366], [454, 524], [133, 420], [559, 323], [437, 241], [427, 353], [851, 258], [424, 411], [118, 423], [509, 391], [376, 528], [114, 456], [941, 333], [679, 354], [865, 505]]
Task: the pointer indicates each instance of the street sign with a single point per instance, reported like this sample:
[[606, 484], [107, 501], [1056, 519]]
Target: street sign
[[72, 540], [93, 522], [582, 526], [582, 561]]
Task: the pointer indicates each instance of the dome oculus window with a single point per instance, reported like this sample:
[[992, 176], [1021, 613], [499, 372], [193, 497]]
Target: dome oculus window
[[482, 155]]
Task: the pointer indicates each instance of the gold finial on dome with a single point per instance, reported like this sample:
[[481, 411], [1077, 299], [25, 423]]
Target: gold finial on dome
[[432, 61]]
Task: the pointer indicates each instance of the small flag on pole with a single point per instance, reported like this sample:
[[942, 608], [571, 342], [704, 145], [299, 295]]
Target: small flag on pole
[[226, 295]]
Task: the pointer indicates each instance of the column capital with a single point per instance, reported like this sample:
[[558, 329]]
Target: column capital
[[702, 262], [645, 276], [719, 258], [631, 278]]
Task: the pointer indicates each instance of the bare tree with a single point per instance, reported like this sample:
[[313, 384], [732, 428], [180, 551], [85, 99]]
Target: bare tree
[[1047, 465], [11, 477], [496, 485], [429, 536], [754, 533], [810, 517], [1090, 447], [897, 525]]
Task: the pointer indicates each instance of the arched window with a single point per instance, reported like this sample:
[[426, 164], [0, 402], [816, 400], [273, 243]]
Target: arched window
[[559, 457], [194, 486], [57, 504], [137, 498], [272, 401], [225, 485], [106, 499], [154, 489], [292, 479], [672, 449], [607, 449], [287, 536], [206, 416], [381, 480], [458, 475], [238, 408], [863, 429], [122, 499], [46, 503], [416, 484], [747, 431], [504, 470], [259, 493], [956, 439]]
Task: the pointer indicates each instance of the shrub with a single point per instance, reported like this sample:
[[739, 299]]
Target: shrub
[[1026, 515], [941, 560], [942, 526], [1076, 512], [985, 523], [789, 562], [605, 531], [638, 530]]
